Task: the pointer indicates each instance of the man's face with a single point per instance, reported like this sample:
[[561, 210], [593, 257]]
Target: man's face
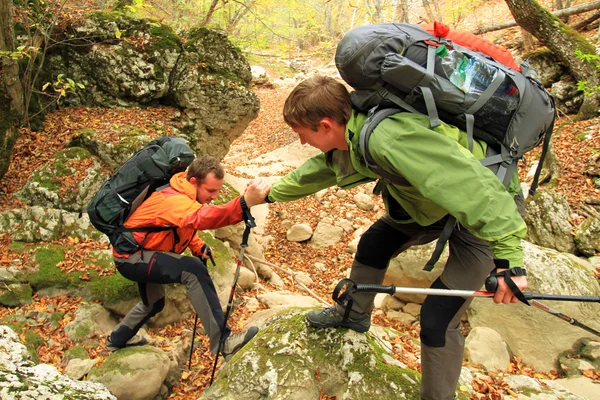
[[208, 189]]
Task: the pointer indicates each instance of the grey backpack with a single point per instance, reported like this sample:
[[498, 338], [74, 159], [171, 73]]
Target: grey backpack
[[395, 67]]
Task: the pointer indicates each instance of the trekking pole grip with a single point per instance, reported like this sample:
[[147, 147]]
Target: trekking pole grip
[[368, 287]]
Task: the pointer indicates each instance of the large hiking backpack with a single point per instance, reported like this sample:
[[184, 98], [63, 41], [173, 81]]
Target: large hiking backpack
[[148, 169], [396, 65]]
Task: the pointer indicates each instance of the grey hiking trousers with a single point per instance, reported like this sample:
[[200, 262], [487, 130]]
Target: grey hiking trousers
[[469, 263], [152, 269]]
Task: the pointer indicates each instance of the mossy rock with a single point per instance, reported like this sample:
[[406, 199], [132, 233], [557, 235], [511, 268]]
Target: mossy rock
[[16, 294], [77, 352], [289, 360], [106, 289], [29, 337]]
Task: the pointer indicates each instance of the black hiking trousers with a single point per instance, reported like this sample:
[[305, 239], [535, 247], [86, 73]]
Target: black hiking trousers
[[152, 269]]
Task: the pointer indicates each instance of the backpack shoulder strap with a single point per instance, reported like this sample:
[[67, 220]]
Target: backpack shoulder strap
[[374, 117]]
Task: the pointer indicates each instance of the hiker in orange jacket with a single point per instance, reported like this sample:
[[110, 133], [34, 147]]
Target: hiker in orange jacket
[[184, 206]]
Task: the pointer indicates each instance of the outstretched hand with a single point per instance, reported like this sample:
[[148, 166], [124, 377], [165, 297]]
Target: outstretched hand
[[503, 292], [256, 191]]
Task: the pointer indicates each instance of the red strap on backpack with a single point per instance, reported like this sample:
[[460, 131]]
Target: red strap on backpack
[[473, 42]]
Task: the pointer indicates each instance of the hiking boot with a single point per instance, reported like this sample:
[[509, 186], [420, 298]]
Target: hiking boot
[[137, 340], [331, 318], [236, 341]]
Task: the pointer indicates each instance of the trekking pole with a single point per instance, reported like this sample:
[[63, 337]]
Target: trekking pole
[[345, 297], [250, 223], [205, 261]]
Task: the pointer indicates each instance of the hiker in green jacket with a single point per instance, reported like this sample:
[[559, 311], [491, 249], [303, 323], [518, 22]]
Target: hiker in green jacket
[[442, 179]]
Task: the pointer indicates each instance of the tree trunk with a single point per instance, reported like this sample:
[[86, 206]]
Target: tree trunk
[[11, 92], [562, 41], [527, 40], [560, 13], [432, 12], [210, 12], [402, 11]]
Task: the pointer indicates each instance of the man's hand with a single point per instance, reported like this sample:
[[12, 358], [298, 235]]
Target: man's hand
[[206, 254], [256, 191], [504, 294]]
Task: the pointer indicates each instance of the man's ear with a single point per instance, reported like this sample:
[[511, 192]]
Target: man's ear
[[326, 123], [193, 181]]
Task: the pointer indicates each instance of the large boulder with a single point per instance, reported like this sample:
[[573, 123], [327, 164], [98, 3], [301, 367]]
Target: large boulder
[[547, 221], [288, 360], [23, 380], [538, 337], [123, 60], [133, 373]]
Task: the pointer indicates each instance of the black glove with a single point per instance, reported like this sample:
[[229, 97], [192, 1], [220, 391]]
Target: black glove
[[208, 251]]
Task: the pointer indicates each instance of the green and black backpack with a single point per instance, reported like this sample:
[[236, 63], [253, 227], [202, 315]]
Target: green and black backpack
[[147, 170]]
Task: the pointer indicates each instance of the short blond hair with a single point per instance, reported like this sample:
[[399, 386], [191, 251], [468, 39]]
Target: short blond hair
[[317, 98]]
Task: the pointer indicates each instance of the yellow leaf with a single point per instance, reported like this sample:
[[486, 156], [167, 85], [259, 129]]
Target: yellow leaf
[[118, 34], [185, 375], [463, 388]]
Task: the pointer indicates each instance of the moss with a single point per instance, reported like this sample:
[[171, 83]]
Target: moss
[[226, 194], [17, 247], [111, 289], [114, 361], [77, 352], [323, 345], [221, 254], [48, 274], [30, 339], [167, 39], [55, 319], [115, 16], [17, 295], [46, 180]]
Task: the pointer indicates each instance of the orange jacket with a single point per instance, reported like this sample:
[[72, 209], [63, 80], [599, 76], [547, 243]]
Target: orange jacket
[[176, 206]]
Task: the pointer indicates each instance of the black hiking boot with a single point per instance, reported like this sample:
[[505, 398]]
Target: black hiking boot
[[331, 318]]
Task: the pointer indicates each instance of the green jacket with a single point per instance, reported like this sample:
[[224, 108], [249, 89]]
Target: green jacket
[[445, 178]]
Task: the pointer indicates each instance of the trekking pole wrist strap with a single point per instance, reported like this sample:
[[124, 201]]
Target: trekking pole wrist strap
[[246, 215], [491, 283]]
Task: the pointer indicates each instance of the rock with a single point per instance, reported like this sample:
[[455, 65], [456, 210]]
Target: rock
[[533, 335], [246, 278], [485, 347], [133, 373], [304, 278], [287, 299], [77, 368], [364, 201], [547, 221], [51, 185], [288, 360], [587, 237], [15, 294], [391, 303], [91, 321], [401, 317], [33, 224], [412, 309], [326, 235], [406, 270], [299, 233], [21, 380]]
